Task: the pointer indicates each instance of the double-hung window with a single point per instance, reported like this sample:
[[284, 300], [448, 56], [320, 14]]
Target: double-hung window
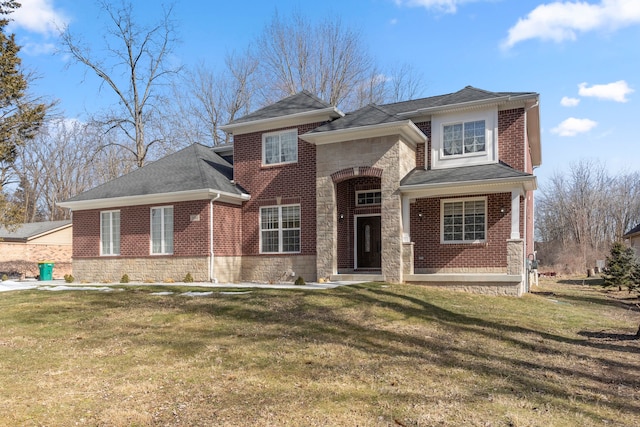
[[464, 221], [463, 138], [280, 147], [280, 229], [110, 233], [162, 230]]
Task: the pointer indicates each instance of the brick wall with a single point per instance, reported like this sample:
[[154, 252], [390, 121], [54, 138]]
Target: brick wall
[[22, 259], [511, 136], [425, 127], [227, 229], [432, 255], [293, 183]]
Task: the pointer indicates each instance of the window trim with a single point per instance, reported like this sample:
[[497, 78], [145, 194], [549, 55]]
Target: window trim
[[280, 229], [112, 253], [488, 156], [463, 154], [162, 231], [279, 134], [463, 200], [377, 190]]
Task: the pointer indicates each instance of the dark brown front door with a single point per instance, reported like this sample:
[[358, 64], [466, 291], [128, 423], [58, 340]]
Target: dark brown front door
[[369, 242]]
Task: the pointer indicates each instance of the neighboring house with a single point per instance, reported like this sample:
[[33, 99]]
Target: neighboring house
[[633, 236], [21, 249], [436, 190]]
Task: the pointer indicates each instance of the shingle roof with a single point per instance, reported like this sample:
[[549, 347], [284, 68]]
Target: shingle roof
[[370, 115], [32, 229], [462, 174], [195, 167], [299, 103], [467, 94], [634, 230]]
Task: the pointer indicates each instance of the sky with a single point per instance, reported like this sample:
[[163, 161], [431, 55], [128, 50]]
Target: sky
[[582, 57]]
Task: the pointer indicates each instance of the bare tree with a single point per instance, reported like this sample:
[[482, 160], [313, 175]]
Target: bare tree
[[327, 59], [581, 212], [134, 64]]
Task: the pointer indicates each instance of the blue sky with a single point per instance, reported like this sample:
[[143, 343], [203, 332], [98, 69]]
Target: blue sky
[[582, 57]]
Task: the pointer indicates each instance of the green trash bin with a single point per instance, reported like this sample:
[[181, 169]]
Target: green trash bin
[[46, 270]]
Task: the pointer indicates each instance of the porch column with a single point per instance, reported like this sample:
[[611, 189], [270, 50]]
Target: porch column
[[406, 223], [515, 214]]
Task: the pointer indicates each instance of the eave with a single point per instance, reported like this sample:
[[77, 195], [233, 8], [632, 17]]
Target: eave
[[406, 129], [154, 199], [471, 105], [499, 185], [313, 116]]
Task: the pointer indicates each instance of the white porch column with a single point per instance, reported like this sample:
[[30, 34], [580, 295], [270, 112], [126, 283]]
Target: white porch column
[[406, 222], [515, 214]]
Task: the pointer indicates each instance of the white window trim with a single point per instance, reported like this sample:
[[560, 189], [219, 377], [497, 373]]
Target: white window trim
[[163, 243], [490, 155], [466, 199], [377, 190], [112, 253], [279, 229], [279, 133]]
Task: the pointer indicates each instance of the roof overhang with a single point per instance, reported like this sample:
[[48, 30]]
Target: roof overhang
[[506, 101], [498, 185], [313, 116], [406, 129], [533, 132], [153, 199]]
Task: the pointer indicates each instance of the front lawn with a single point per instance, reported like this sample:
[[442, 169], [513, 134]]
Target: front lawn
[[366, 355]]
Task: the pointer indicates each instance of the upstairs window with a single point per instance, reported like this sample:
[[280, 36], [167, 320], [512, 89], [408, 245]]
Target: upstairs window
[[464, 221], [463, 138], [280, 147]]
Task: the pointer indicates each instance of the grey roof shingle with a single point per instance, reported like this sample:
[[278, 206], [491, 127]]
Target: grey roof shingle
[[462, 174], [370, 115], [28, 230], [299, 103], [195, 167], [634, 230]]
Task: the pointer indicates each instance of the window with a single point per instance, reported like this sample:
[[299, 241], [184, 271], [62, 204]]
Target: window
[[280, 229], [162, 230], [281, 147], [110, 233], [464, 221], [463, 138], [364, 198]]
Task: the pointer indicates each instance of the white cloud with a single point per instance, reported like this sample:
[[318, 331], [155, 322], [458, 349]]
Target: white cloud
[[573, 126], [562, 20], [616, 91], [446, 6], [569, 102], [39, 16], [34, 49]]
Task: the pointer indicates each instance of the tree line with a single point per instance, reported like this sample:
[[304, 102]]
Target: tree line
[[160, 106], [581, 212]]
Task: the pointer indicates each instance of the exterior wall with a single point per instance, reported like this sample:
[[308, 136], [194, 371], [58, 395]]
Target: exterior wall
[[278, 268], [511, 138], [227, 269], [496, 289], [423, 151], [634, 241], [21, 259], [227, 229], [292, 183], [152, 269], [432, 256], [395, 159]]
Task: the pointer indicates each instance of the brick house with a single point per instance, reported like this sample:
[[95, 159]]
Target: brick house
[[436, 190]]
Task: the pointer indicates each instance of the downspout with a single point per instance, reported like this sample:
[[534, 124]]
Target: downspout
[[211, 253]]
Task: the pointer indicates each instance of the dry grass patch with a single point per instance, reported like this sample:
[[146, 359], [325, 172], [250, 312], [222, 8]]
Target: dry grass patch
[[368, 355]]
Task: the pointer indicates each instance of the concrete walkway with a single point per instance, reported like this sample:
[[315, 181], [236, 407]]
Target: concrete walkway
[[59, 285]]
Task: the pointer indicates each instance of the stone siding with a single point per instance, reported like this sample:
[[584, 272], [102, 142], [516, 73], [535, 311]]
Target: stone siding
[[156, 269], [278, 268], [227, 269], [501, 289]]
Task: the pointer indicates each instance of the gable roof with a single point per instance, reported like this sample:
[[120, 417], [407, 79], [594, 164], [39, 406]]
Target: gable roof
[[300, 108], [32, 230], [633, 231], [195, 172]]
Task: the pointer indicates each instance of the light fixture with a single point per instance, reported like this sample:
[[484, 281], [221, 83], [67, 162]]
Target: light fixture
[[420, 215], [503, 211], [341, 217]]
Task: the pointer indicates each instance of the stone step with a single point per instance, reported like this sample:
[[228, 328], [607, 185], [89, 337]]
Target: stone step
[[356, 277]]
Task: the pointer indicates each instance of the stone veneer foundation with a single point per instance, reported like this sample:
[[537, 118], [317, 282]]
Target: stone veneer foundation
[[277, 269], [156, 269]]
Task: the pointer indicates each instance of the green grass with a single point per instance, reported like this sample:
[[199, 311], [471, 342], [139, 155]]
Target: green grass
[[367, 355]]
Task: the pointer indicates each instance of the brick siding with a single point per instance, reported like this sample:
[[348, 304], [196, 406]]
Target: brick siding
[[511, 136]]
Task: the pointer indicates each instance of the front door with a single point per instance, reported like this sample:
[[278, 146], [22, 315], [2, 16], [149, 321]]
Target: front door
[[369, 242]]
